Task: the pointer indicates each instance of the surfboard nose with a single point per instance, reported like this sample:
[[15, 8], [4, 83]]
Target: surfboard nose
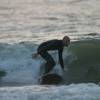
[[51, 79]]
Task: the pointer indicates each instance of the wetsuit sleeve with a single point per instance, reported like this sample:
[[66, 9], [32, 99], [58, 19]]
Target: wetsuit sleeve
[[60, 58]]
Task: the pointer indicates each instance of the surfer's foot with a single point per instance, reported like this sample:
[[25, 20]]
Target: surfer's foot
[[51, 79]]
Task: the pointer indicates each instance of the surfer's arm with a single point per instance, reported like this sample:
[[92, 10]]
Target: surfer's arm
[[60, 58]]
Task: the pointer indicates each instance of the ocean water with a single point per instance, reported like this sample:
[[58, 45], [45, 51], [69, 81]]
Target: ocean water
[[24, 24]]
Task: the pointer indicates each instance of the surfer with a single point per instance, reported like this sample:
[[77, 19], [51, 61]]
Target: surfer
[[49, 46]]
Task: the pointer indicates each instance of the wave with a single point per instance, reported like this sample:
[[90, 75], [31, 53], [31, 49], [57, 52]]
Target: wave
[[81, 61]]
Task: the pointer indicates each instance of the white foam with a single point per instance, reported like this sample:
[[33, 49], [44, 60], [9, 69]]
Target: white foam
[[71, 92], [16, 60]]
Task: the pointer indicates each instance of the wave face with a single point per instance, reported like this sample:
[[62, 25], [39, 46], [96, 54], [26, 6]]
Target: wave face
[[82, 61]]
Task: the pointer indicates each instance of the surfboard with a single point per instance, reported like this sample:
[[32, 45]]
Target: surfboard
[[50, 79]]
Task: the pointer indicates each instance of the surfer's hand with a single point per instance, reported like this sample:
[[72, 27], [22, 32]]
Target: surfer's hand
[[34, 55]]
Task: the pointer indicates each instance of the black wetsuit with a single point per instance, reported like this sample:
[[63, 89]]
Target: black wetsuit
[[48, 46]]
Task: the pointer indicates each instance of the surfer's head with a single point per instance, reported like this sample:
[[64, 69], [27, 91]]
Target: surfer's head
[[66, 40]]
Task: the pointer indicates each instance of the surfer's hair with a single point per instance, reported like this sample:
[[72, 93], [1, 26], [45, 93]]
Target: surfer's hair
[[66, 40]]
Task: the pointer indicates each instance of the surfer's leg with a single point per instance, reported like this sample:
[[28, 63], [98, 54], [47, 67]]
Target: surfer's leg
[[50, 62]]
